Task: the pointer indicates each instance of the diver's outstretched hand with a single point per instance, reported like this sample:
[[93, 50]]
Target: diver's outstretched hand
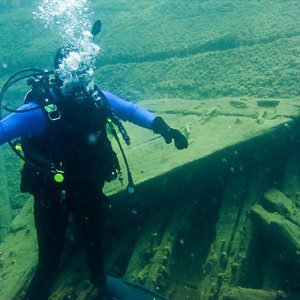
[[161, 127]]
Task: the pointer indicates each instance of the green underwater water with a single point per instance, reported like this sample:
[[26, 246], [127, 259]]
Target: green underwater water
[[194, 50]]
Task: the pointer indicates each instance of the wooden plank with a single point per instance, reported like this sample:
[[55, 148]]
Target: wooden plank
[[239, 293], [217, 258], [285, 234], [210, 126], [275, 201], [238, 254]]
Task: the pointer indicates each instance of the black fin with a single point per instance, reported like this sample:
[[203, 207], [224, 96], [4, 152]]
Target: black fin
[[96, 28], [126, 290]]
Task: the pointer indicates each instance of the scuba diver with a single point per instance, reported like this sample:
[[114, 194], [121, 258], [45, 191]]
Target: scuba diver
[[68, 158]]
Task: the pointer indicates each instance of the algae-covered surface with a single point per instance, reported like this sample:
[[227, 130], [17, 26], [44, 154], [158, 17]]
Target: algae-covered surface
[[199, 49], [218, 220]]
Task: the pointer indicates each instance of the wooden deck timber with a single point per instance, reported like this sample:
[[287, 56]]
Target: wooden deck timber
[[215, 221]]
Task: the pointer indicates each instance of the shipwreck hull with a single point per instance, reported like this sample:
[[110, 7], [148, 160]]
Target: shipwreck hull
[[217, 221]]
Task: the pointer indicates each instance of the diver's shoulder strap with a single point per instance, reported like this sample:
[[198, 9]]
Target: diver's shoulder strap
[[43, 97], [101, 101]]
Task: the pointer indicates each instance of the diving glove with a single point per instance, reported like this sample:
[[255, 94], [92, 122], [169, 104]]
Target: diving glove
[[161, 127]]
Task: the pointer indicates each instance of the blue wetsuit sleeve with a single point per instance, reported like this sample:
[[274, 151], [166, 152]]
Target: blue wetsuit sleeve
[[16, 125], [128, 111]]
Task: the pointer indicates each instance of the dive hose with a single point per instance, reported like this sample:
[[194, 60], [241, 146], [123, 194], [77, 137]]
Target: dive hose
[[39, 75]]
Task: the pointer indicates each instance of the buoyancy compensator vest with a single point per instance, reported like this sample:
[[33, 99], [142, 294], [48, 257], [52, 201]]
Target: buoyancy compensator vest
[[75, 143]]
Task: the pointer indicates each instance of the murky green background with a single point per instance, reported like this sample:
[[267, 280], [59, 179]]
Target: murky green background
[[197, 50]]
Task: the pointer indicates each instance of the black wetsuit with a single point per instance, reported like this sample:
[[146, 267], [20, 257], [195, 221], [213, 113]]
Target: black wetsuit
[[77, 144]]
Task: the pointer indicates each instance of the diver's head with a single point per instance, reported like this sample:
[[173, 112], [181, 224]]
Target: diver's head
[[74, 71]]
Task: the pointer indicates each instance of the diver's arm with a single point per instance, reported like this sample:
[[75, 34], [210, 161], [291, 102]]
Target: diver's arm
[[20, 124], [129, 111]]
